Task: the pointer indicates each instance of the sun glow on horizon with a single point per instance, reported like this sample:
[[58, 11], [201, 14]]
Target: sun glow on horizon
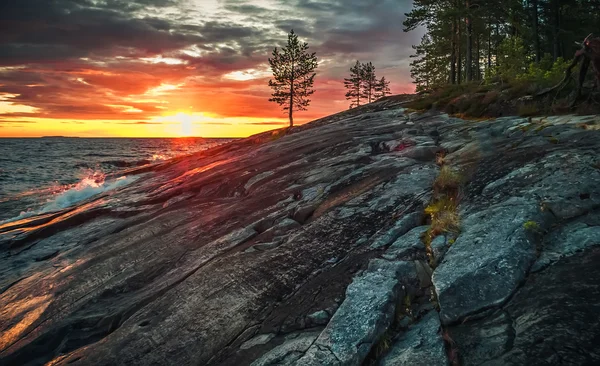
[[187, 124]]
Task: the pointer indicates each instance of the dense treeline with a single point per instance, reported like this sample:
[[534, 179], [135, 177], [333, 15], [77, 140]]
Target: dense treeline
[[484, 40]]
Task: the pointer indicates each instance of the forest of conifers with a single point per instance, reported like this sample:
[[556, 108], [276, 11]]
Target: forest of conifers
[[468, 40]]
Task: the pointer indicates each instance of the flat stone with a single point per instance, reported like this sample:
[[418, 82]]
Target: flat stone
[[320, 317], [288, 352], [565, 242], [401, 227], [488, 260], [421, 345], [408, 245], [258, 340], [361, 319]]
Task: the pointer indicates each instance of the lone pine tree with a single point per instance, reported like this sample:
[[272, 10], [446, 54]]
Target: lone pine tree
[[353, 84], [293, 72], [369, 80]]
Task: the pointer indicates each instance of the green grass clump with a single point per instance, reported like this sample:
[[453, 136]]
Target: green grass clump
[[531, 226]]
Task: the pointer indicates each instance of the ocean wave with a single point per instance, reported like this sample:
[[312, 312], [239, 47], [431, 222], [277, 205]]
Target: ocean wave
[[68, 195], [160, 157], [88, 187]]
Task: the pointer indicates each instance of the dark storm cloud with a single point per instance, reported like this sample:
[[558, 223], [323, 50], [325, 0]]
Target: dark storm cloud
[[41, 31]]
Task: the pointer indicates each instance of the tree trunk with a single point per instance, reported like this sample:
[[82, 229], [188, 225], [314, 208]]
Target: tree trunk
[[291, 111], [453, 54], [477, 57], [497, 45], [536, 35], [358, 92], [489, 50], [555, 28], [459, 63], [469, 56]]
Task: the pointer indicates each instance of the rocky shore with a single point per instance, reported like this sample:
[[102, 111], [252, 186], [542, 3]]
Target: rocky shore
[[307, 247]]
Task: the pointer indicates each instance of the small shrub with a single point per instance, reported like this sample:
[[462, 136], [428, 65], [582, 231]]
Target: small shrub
[[491, 97], [421, 104], [513, 58], [528, 110], [519, 88]]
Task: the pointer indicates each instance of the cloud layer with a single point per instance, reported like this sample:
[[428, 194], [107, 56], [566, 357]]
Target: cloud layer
[[138, 59]]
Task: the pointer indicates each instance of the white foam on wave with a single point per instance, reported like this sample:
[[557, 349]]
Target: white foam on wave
[[91, 185], [160, 157], [83, 190]]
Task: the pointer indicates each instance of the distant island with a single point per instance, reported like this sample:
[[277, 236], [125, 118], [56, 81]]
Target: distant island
[[59, 137]]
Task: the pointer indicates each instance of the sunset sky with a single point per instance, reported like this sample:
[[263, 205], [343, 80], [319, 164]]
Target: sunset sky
[[154, 68]]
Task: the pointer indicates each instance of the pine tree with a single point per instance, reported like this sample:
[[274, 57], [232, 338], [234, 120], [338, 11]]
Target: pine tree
[[353, 84], [382, 88], [293, 70], [465, 37], [369, 80]]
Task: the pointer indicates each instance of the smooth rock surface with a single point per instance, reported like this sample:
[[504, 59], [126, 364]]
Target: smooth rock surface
[[202, 254]]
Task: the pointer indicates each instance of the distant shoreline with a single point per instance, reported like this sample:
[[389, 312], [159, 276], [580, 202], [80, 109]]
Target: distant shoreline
[[117, 137]]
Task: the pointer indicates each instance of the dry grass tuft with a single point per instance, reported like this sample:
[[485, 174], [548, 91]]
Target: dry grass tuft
[[448, 179], [444, 216], [383, 346]]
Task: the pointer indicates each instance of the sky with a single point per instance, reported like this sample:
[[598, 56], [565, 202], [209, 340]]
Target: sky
[[154, 68]]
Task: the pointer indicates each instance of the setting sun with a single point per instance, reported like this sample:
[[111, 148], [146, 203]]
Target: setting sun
[[175, 54], [185, 120]]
